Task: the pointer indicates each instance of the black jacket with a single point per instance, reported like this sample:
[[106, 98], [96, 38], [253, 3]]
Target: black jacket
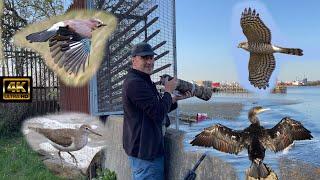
[[144, 112]]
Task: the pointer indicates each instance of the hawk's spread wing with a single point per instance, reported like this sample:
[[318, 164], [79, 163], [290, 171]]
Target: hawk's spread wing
[[260, 68], [221, 138], [253, 27], [284, 133]]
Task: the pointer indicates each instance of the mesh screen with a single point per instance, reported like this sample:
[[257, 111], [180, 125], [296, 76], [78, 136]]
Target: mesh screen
[[146, 20]]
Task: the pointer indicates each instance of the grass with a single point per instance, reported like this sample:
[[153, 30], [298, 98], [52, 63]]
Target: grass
[[19, 161]]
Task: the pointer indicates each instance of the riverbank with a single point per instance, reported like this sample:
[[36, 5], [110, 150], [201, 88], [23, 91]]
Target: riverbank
[[214, 110]]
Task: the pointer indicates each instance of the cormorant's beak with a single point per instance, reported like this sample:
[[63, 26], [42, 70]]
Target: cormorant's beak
[[264, 109], [239, 46], [94, 132]]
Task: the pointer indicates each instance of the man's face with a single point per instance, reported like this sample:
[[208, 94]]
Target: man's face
[[143, 63]]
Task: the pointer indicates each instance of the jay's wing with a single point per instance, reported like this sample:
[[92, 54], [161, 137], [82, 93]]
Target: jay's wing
[[70, 51]]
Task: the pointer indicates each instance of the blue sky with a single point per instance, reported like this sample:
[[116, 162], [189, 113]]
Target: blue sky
[[208, 32]]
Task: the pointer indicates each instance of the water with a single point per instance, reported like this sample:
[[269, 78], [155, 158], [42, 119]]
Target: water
[[300, 103]]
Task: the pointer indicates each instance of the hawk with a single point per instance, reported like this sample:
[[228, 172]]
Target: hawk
[[262, 62]]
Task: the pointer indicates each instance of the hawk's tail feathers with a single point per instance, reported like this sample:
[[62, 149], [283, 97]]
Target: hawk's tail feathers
[[292, 51]]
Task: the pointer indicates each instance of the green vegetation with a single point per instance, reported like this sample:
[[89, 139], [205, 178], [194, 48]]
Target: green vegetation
[[19, 161], [106, 174], [12, 116]]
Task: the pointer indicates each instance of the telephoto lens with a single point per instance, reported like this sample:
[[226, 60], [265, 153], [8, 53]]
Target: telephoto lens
[[201, 92]]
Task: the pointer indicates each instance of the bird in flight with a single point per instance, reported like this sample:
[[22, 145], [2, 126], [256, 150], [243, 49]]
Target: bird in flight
[[255, 138], [262, 62], [72, 45], [69, 42]]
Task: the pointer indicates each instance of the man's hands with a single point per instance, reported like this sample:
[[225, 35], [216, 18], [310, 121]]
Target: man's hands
[[178, 97], [171, 85]]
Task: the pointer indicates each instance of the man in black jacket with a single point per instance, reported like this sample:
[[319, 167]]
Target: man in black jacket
[[144, 113]]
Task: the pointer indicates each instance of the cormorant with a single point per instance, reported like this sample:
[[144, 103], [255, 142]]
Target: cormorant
[[255, 138]]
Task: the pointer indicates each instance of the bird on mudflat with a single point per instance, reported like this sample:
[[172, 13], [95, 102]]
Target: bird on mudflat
[[255, 138], [69, 42], [66, 140], [262, 62]]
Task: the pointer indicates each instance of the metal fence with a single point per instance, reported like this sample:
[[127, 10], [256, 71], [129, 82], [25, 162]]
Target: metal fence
[[24, 62], [151, 21]]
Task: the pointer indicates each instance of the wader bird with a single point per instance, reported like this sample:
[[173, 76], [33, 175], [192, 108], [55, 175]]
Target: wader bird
[[69, 42], [67, 140], [262, 62], [255, 138]]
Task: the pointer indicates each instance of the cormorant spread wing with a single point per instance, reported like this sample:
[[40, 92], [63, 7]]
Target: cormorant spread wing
[[221, 138], [284, 133]]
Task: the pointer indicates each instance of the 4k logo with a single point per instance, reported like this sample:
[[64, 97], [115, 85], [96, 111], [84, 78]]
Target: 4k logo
[[16, 86], [16, 89]]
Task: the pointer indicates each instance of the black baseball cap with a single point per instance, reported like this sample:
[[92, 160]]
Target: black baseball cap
[[142, 49]]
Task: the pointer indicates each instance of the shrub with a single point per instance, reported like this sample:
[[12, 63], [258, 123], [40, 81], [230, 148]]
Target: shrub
[[12, 116], [106, 174]]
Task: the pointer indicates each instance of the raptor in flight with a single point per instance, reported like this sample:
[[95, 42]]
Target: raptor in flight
[[262, 62]]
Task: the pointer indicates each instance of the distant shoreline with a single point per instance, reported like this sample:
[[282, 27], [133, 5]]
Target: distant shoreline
[[223, 110], [239, 89], [304, 86]]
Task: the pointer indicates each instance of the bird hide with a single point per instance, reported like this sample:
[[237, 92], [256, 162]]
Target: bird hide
[[98, 42]]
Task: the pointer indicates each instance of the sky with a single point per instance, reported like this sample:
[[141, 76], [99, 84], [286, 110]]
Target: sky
[[208, 32]]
